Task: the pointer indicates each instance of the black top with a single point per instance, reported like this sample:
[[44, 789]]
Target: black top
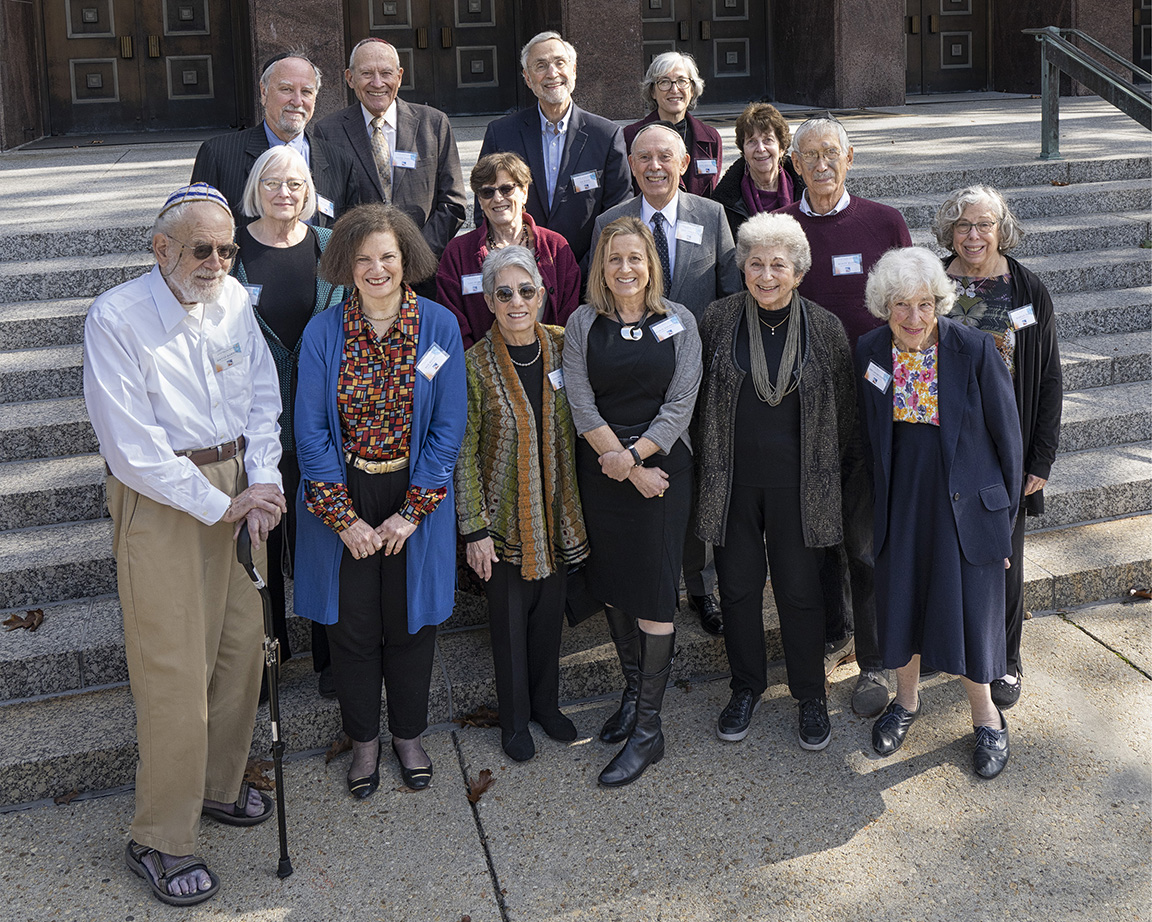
[[629, 377], [767, 443], [287, 276], [532, 380]]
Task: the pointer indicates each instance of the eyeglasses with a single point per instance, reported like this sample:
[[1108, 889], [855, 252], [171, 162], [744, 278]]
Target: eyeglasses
[[828, 154], [202, 251], [527, 293], [963, 228], [666, 83], [505, 190], [274, 185]]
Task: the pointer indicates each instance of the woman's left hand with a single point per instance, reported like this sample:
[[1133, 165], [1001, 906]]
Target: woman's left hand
[[1033, 484], [394, 531], [617, 464], [481, 555], [650, 481]]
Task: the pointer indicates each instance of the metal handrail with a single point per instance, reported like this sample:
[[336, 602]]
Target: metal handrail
[[1060, 55]]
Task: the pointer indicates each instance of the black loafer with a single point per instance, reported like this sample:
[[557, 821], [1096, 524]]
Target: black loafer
[[1006, 694], [363, 788], [991, 753], [889, 731], [416, 778], [708, 609]]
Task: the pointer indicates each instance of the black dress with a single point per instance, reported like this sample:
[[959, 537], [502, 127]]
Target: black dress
[[637, 543]]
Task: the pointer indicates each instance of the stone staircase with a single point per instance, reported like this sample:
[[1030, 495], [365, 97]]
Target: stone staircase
[[66, 720]]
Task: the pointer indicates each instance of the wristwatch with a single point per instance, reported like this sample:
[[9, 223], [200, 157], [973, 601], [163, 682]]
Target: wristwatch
[[638, 461]]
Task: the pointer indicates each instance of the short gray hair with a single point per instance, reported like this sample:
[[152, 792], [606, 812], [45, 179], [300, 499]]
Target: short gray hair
[[280, 156], [661, 65], [266, 76], [544, 37], [1011, 231], [511, 257], [681, 147], [774, 230], [820, 125], [902, 272]]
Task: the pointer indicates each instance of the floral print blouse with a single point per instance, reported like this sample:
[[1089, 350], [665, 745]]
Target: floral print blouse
[[915, 385], [985, 303]]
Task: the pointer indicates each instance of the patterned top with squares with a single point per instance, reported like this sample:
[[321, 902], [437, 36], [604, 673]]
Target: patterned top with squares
[[374, 398], [915, 385]]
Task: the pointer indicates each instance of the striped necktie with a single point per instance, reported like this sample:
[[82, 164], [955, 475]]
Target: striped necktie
[[383, 156]]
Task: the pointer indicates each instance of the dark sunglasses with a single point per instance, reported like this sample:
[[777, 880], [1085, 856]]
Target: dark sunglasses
[[486, 192], [527, 293], [203, 250]]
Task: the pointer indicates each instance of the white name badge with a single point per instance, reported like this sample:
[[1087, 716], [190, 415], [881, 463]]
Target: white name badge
[[1022, 317], [556, 378], [848, 264], [432, 361], [688, 232], [669, 326], [325, 206], [472, 284], [254, 294], [405, 159], [877, 377], [226, 357], [586, 182], [707, 167]]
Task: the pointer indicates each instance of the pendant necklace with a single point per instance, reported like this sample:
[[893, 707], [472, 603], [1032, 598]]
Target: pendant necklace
[[633, 332]]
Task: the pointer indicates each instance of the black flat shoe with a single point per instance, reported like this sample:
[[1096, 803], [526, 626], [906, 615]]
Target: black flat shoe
[[708, 610], [1006, 694], [518, 745], [416, 778], [556, 725], [991, 753], [363, 788], [889, 731]]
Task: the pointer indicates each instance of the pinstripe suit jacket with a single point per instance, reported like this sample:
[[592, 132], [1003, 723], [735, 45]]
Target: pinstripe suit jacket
[[226, 161]]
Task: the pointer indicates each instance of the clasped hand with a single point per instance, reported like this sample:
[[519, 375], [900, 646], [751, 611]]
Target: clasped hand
[[261, 506], [362, 540]]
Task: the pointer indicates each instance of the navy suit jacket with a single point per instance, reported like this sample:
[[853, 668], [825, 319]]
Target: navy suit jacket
[[225, 162], [592, 143], [431, 193], [979, 437]]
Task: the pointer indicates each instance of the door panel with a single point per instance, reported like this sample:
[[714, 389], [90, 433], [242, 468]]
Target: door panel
[[947, 46]]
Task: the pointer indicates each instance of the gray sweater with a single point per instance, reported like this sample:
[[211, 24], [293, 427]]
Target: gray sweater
[[671, 423]]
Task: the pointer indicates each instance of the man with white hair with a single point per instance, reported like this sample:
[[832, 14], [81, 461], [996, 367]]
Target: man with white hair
[[182, 392], [289, 84], [578, 160]]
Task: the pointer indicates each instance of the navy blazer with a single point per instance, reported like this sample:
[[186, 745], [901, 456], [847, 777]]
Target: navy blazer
[[979, 437], [592, 143], [226, 160], [703, 144], [432, 192]]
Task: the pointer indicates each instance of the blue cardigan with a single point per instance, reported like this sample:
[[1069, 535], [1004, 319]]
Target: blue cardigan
[[439, 414]]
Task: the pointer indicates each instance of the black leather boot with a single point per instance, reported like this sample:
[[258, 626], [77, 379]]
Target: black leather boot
[[626, 636], [646, 744]]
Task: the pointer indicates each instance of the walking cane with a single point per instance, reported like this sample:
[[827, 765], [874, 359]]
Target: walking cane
[[272, 673]]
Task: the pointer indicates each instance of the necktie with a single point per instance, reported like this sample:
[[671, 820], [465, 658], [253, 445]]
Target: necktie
[[662, 250], [383, 156]]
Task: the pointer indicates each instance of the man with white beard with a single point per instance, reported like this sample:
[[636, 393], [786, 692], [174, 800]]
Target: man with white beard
[[182, 392]]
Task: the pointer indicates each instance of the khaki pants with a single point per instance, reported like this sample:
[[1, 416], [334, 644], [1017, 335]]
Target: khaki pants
[[192, 634]]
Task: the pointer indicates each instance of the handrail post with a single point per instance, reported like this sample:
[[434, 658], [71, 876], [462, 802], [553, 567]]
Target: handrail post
[[1049, 102]]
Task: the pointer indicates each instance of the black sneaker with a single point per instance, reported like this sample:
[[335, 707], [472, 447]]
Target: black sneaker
[[815, 728], [737, 716]]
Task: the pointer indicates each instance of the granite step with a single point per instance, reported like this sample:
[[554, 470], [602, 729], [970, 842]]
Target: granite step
[[133, 237], [1066, 233], [1095, 312], [48, 491], [45, 429], [70, 276], [1093, 270], [1096, 483], [32, 324], [1109, 415], [41, 373], [1110, 358], [53, 563]]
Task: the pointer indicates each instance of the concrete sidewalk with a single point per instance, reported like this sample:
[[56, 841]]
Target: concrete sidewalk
[[716, 832]]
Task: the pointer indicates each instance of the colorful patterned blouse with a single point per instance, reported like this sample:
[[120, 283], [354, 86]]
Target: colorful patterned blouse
[[374, 397], [986, 304], [915, 385]]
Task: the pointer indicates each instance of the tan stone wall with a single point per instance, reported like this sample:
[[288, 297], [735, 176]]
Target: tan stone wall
[[610, 65]]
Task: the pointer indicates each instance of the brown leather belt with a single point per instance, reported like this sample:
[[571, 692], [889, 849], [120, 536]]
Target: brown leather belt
[[375, 467], [224, 452]]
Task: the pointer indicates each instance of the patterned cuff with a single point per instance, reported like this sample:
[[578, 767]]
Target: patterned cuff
[[330, 503], [419, 502]]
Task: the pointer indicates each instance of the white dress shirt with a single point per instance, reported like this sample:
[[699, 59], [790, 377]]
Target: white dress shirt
[[669, 211], [845, 199], [389, 129], [152, 389]]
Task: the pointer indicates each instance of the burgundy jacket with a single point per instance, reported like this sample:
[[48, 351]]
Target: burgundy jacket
[[703, 144]]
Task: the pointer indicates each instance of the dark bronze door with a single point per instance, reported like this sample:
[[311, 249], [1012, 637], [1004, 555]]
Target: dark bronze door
[[1142, 34], [140, 65], [728, 39], [947, 46], [460, 56]]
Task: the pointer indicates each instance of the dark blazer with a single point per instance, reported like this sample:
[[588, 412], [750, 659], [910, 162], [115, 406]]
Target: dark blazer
[[431, 194], [703, 144], [704, 271], [225, 162], [591, 143], [979, 437]]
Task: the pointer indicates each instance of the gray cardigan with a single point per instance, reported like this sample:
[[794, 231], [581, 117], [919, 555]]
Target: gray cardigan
[[671, 423], [829, 445]]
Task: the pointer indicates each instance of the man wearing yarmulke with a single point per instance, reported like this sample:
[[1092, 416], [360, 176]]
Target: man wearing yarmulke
[[182, 392]]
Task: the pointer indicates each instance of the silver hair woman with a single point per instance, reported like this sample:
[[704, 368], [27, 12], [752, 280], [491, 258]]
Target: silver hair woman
[[996, 294], [777, 418], [517, 503], [943, 447]]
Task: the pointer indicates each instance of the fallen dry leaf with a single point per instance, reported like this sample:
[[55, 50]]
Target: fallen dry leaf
[[1140, 592], [478, 786], [342, 743], [254, 775], [1057, 182], [64, 799], [30, 620], [480, 718]]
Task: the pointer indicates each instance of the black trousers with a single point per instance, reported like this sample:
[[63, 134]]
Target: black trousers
[[1014, 594], [524, 624], [699, 565], [848, 582], [764, 529], [370, 642]]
